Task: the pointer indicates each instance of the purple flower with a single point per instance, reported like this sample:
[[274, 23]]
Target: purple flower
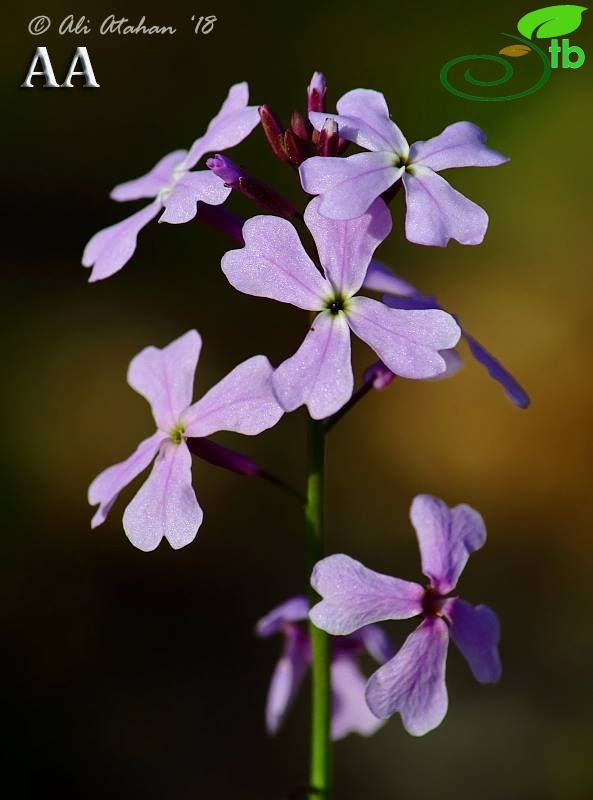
[[413, 681], [435, 211], [173, 186], [166, 505], [350, 713], [401, 294], [274, 264]]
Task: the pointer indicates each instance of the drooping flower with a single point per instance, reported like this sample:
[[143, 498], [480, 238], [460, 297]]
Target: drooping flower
[[435, 211], [350, 713], [274, 264], [398, 293], [413, 681], [165, 505], [173, 185]]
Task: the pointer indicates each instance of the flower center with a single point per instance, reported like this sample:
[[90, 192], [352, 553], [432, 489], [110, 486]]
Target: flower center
[[335, 305], [176, 434], [432, 602]]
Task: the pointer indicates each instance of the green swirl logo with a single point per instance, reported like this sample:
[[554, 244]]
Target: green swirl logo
[[547, 22]]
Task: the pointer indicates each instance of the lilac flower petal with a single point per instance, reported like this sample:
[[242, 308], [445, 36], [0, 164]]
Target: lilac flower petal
[[408, 342], [512, 387], [476, 632], [287, 678], [243, 401], [459, 145], [436, 212], [350, 713], [166, 505], [363, 118], [110, 249], [294, 610], [149, 185], [446, 537], [345, 247], [354, 596], [233, 123], [109, 483], [413, 682], [193, 187], [274, 264], [165, 377], [376, 642], [348, 186], [319, 375]]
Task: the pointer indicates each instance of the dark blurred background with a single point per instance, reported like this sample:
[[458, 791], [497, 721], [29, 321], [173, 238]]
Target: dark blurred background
[[133, 674]]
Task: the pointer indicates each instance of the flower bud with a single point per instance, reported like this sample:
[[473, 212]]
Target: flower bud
[[301, 126], [379, 375], [225, 169], [316, 92], [274, 132], [295, 148], [329, 139]]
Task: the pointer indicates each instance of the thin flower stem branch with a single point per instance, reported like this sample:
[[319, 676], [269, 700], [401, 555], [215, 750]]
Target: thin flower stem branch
[[361, 392], [320, 775], [284, 485]]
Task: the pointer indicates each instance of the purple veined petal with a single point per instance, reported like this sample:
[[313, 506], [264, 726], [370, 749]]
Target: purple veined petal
[[345, 247], [350, 713], [413, 682], [436, 212], [287, 678], [319, 375], [408, 342], [243, 401], [476, 632], [354, 596], [348, 186], [111, 249], [165, 377], [165, 506], [376, 642], [512, 387], [274, 264], [233, 123], [459, 145], [109, 483], [150, 184], [446, 537], [294, 610], [363, 118], [193, 187], [371, 107]]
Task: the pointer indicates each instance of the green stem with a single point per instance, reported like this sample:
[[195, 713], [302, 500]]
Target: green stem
[[320, 771]]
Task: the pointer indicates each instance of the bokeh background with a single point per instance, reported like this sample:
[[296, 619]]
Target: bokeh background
[[138, 675]]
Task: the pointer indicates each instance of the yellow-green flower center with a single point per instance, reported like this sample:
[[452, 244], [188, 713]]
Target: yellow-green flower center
[[177, 434]]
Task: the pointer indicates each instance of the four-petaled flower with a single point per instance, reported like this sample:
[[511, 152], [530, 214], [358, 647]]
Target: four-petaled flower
[[350, 713], [274, 264], [166, 505], [435, 211], [413, 681], [173, 186], [398, 293]]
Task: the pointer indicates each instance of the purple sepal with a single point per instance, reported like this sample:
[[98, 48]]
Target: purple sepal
[[223, 457]]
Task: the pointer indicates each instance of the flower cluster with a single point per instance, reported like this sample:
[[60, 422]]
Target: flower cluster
[[409, 332]]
